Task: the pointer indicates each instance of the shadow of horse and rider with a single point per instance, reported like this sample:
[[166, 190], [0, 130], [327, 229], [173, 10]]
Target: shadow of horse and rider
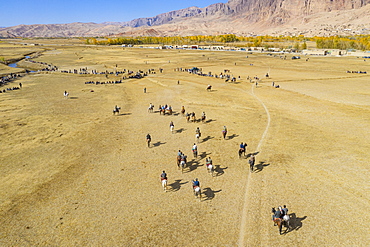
[[295, 223], [209, 194]]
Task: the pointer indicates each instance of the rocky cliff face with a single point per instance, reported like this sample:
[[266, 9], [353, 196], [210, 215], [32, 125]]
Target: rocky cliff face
[[235, 16], [253, 10]]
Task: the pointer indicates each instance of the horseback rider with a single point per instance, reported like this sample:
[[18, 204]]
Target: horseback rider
[[171, 124], [164, 176], [197, 131], [242, 146], [273, 211], [196, 183], [195, 147], [281, 211], [208, 161], [116, 108], [179, 153], [183, 157], [148, 137], [277, 215], [285, 210]]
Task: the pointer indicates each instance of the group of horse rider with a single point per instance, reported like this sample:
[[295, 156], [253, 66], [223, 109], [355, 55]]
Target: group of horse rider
[[280, 213], [182, 158], [163, 108]]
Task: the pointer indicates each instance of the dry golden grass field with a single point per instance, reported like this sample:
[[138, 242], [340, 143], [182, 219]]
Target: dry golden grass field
[[74, 174]]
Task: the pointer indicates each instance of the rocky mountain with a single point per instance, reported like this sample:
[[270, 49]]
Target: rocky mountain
[[242, 17]]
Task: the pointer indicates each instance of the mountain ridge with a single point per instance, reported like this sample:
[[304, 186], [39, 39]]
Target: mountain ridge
[[241, 17]]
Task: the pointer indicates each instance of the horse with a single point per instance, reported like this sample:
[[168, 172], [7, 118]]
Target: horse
[[210, 168], [66, 94], [241, 151], [116, 110], [169, 111], [193, 119], [148, 141], [178, 160], [183, 162], [282, 222], [286, 222], [188, 117], [197, 192], [195, 153], [203, 117], [251, 162], [197, 135], [182, 110], [164, 184], [151, 108]]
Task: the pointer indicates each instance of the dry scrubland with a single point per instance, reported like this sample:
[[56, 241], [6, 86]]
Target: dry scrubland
[[74, 175]]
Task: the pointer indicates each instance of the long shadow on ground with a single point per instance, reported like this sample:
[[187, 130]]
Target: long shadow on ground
[[192, 165], [175, 186], [209, 194], [219, 170], [259, 167], [158, 144], [206, 139]]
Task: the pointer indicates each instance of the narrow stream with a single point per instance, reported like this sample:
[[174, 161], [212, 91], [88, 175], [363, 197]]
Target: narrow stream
[[15, 65]]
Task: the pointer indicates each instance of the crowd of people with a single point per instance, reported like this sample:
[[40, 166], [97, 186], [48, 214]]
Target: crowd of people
[[47, 67], [356, 72], [103, 82], [222, 75], [4, 80], [9, 78]]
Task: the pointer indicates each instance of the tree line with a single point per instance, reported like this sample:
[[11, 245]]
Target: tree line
[[360, 42]]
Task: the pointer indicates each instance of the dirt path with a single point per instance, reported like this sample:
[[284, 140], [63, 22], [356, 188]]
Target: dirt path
[[247, 197]]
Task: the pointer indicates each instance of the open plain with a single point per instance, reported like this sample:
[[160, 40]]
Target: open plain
[[74, 174]]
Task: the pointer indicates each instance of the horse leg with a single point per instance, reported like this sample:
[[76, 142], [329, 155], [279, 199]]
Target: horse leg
[[280, 224]]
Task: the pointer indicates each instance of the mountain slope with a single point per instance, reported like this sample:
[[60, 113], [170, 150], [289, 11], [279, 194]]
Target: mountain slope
[[310, 17]]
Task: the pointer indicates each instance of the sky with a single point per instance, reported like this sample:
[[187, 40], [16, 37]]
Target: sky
[[16, 12]]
